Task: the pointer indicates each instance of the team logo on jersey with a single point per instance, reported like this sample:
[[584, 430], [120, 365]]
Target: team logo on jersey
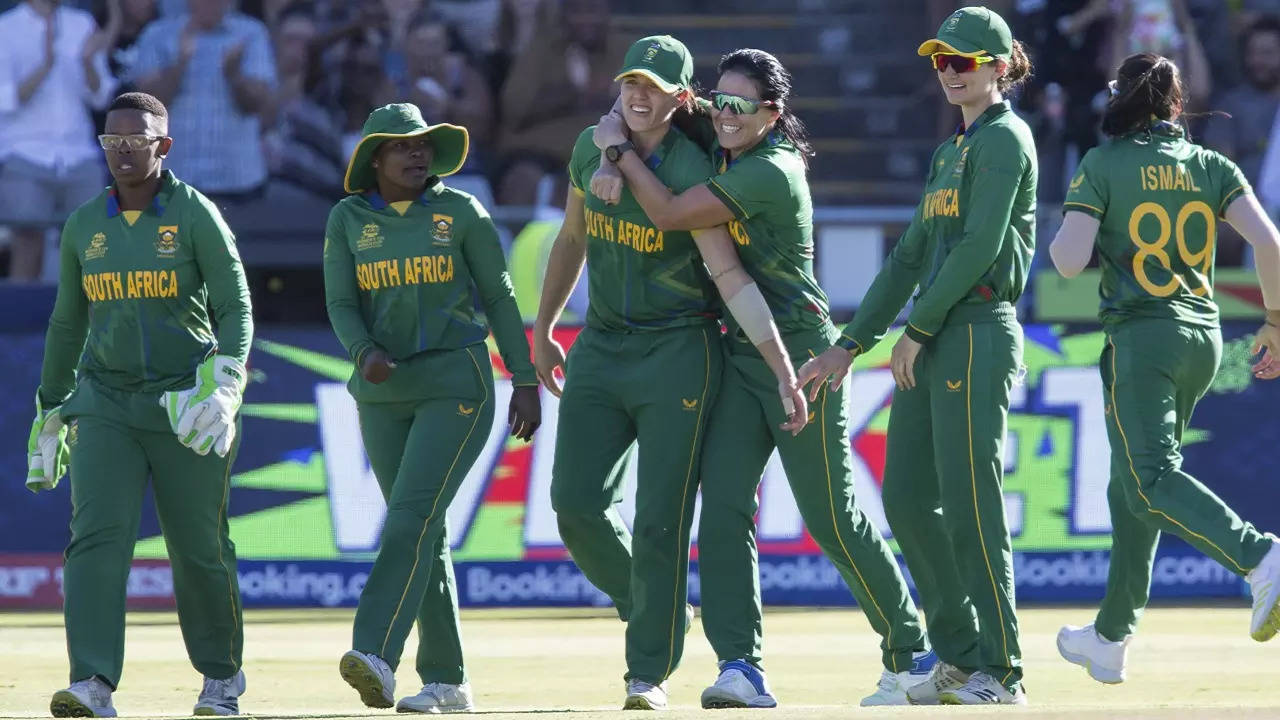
[[73, 433], [1077, 181], [97, 247], [441, 228], [370, 237], [964, 160], [465, 411], [954, 385], [167, 241], [689, 403]]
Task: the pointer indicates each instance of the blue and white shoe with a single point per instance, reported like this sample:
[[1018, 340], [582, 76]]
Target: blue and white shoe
[[220, 697], [740, 685], [893, 686]]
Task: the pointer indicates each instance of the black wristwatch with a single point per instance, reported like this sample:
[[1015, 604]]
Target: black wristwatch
[[614, 153]]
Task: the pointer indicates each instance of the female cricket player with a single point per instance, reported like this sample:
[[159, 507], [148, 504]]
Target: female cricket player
[[1133, 195], [137, 383], [646, 368], [969, 249], [403, 255], [761, 192]]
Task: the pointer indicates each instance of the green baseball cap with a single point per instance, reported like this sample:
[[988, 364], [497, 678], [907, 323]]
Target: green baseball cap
[[661, 58], [449, 144], [972, 31]]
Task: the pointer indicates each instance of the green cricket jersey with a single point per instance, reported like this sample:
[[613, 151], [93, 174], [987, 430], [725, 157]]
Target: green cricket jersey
[[147, 296], [1158, 197], [640, 278], [404, 283], [972, 237], [766, 190]]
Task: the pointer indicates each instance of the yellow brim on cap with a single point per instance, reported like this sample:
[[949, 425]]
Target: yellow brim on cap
[[663, 84], [929, 47]]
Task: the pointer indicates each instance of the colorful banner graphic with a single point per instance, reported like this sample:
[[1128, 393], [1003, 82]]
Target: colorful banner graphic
[[306, 514]]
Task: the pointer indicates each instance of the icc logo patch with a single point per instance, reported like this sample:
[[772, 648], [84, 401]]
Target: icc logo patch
[[97, 247], [167, 241], [441, 229], [370, 237]]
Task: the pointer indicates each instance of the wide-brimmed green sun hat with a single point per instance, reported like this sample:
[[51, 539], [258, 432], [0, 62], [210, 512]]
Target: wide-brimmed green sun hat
[[449, 144], [972, 32], [661, 58]]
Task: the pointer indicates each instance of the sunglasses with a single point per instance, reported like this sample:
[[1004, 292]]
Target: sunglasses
[[959, 63], [739, 105], [134, 142]]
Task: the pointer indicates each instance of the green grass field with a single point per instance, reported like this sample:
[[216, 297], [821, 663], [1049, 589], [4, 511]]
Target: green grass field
[[1188, 663]]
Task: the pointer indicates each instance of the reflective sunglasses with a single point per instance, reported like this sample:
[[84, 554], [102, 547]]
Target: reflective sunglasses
[[959, 63], [739, 105], [135, 142]]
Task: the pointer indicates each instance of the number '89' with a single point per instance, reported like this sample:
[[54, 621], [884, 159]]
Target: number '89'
[[1198, 263]]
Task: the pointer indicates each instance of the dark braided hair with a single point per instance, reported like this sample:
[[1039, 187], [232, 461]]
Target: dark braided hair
[[774, 83], [1146, 86]]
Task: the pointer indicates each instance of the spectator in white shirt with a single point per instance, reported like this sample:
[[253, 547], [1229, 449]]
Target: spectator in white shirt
[[52, 72]]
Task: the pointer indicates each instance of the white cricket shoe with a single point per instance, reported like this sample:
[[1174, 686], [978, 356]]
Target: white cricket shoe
[[1104, 659], [942, 678], [439, 698], [371, 676], [740, 685], [1264, 582], [982, 689], [85, 698], [893, 686], [220, 697], [645, 696]]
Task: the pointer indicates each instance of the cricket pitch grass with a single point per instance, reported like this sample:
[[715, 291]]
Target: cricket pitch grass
[[535, 664]]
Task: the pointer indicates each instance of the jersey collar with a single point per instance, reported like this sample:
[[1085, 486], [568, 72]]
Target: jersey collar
[[158, 203], [991, 113], [724, 162], [376, 201]]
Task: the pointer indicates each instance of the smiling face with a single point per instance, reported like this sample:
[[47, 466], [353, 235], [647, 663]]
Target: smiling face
[[971, 87], [738, 132], [132, 167], [645, 106], [403, 164]]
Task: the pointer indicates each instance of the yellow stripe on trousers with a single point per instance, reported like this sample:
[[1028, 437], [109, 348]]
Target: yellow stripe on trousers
[[231, 592], [677, 607], [417, 553], [1115, 414], [831, 499], [973, 480]]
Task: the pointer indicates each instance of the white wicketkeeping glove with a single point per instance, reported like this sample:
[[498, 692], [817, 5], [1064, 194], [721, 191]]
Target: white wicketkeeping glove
[[47, 453], [204, 417]]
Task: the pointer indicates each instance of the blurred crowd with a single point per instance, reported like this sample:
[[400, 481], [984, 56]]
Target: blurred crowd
[[268, 96], [1228, 50]]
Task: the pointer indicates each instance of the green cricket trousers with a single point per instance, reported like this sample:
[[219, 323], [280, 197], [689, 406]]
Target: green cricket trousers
[[1154, 371], [421, 448], [743, 433], [943, 494], [654, 388], [118, 439]]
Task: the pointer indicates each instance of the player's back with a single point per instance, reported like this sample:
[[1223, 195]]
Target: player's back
[[1160, 199]]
